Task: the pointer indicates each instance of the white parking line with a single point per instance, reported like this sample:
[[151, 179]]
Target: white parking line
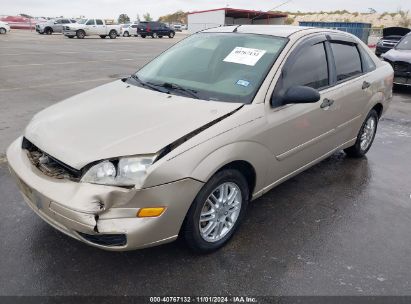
[[56, 84], [63, 63]]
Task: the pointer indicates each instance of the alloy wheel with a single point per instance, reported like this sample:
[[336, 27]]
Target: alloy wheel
[[220, 212]]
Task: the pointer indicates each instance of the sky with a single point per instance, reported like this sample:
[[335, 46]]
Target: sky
[[113, 8]]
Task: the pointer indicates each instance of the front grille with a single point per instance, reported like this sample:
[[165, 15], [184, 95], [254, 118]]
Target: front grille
[[105, 239], [400, 66], [49, 165]]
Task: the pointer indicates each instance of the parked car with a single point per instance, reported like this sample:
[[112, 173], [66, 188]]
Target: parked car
[[129, 30], [400, 59], [92, 27], [391, 36], [182, 146], [53, 26], [154, 30], [4, 27]]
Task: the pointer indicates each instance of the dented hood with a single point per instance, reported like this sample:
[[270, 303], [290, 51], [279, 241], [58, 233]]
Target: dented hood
[[398, 55], [118, 119]]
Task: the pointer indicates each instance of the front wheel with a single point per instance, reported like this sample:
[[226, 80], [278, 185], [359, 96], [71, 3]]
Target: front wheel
[[171, 35], [80, 34], [48, 31], [126, 34], [154, 35], [2, 30], [216, 211], [365, 137]]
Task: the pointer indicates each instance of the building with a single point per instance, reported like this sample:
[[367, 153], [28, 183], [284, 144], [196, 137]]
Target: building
[[202, 20]]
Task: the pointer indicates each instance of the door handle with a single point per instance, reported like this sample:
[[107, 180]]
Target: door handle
[[327, 103], [365, 85]]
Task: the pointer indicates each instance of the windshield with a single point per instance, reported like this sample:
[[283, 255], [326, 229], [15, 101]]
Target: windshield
[[405, 43], [82, 21], [215, 66]]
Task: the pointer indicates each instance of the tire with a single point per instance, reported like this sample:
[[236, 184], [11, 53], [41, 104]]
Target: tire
[[126, 34], [160, 36], [2, 30], [112, 34], [80, 34], [70, 36], [171, 35], [365, 136], [143, 36], [197, 239], [103, 36], [48, 31], [154, 35]]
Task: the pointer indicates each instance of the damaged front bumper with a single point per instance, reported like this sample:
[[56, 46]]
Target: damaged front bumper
[[103, 216]]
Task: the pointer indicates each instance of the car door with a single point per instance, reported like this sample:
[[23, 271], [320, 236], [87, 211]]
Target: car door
[[100, 28], [354, 84], [300, 134], [90, 27], [58, 26]]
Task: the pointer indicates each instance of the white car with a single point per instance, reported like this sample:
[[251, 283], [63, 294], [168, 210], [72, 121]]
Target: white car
[[4, 27], [129, 30], [91, 27]]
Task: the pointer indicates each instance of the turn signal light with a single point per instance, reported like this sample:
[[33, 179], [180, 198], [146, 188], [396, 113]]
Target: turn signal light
[[150, 212]]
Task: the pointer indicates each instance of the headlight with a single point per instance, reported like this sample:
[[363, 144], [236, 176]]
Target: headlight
[[126, 171]]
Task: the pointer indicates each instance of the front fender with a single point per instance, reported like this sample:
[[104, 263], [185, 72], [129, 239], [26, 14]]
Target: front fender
[[257, 155]]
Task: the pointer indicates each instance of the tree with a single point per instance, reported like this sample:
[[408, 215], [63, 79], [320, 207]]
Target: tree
[[147, 17], [123, 18]]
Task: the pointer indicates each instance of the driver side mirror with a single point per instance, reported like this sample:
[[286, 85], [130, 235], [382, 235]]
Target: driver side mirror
[[301, 94]]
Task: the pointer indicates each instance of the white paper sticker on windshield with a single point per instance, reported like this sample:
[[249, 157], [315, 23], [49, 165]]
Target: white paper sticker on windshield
[[245, 56]]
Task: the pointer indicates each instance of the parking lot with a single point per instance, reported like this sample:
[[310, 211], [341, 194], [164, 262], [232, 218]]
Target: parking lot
[[340, 228]]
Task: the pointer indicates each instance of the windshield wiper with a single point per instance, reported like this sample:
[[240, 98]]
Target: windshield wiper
[[147, 84], [174, 86]]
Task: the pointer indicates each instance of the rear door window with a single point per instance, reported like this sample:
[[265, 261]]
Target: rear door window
[[347, 60], [99, 22]]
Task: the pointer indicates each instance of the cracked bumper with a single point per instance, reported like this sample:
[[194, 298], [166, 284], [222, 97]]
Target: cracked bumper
[[80, 208]]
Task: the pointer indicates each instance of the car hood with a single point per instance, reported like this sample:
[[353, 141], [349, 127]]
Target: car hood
[[118, 119], [395, 31], [398, 55], [74, 25]]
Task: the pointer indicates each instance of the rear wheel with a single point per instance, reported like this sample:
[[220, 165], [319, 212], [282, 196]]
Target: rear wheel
[[365, 137], [112, 34], [48, 31], [80, 34], [159, 36], [216, 211], [2, 30]]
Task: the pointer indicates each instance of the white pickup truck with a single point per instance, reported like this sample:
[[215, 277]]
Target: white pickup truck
[[91, 27]]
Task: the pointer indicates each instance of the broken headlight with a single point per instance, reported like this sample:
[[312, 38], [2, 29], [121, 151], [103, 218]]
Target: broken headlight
[[126, 171]]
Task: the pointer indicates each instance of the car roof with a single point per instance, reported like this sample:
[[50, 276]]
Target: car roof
[[274, 30]]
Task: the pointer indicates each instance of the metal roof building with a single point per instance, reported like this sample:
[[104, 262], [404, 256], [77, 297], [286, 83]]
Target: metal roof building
[[201, 20]]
